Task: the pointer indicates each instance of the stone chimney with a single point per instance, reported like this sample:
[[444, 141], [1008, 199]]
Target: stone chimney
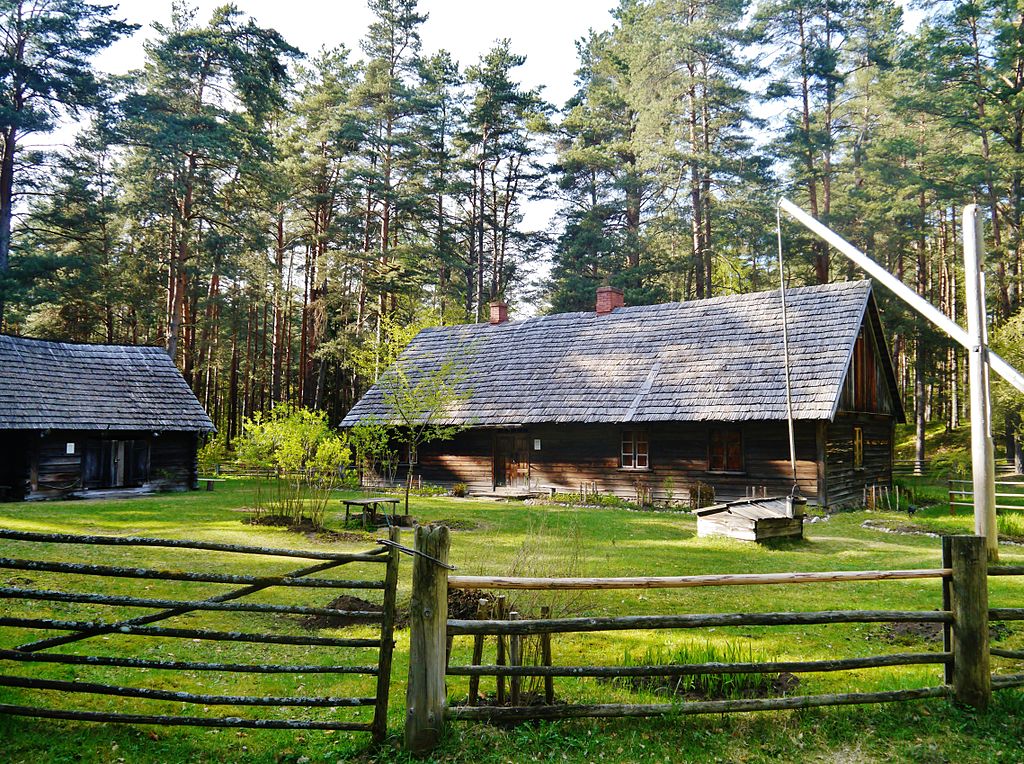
[[608, 299], [499, 312]]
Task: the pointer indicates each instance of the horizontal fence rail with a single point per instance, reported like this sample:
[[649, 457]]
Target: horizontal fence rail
[[34, 653], [682, 582], [182, 721], [374, 555], [1009, 495], [93, 688], [146, 663], [144, 602], [114, 571], [638, 622], [692, 669], [526, 713]]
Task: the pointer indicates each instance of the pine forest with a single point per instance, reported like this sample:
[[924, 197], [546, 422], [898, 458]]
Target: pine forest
[[283, 221]]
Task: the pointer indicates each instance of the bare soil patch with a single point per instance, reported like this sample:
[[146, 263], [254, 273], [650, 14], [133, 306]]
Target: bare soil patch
[[348, 602]]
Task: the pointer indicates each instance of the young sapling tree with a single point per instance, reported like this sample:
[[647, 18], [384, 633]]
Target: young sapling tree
[[417, 400]]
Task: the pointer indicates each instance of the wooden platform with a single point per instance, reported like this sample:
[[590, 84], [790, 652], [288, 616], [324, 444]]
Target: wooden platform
[[753, 519], [520, 495]]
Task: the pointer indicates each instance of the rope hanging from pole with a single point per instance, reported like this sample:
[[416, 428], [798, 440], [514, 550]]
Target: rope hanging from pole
[[785, 355]]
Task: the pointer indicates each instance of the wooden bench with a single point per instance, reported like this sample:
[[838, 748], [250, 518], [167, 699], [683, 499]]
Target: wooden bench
[[370, 505], [210, 481]]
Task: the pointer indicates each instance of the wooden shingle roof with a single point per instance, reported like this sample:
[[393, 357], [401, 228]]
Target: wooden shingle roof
[[718, 359], [59, 385]]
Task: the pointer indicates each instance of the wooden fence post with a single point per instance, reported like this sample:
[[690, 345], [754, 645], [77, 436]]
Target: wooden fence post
[[387, 641], [545, 656], [972, 676], [428, 620], [947, 604]]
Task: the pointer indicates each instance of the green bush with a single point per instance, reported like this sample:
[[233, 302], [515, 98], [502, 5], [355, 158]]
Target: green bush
[[310, 455], [212, 454], [460, 489]]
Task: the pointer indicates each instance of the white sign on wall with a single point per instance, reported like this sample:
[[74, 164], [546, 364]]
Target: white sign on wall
[[71, 448], [536, 444]]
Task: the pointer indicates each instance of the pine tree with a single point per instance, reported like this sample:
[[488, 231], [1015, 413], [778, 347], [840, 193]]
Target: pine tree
[[46, 72]]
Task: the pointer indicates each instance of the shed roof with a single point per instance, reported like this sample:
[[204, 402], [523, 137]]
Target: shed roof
[[717, 359], [60, 385]]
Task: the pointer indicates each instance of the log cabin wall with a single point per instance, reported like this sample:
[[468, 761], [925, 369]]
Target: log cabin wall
[[844, 479], [168, 462], [571, 454], [173, 461], [53, 472], [467, 458]]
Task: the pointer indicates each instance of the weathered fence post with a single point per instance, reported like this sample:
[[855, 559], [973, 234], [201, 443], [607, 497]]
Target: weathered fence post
[[972, 676], [483, 611], [947, 604], [387, 641], [515, 658], [428, 620], [545, 659]]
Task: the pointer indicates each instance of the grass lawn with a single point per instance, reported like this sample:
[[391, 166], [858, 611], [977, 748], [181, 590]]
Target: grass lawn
[[509, 539]]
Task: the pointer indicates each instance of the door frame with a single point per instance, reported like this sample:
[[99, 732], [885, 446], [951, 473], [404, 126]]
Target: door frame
[[509, 437]]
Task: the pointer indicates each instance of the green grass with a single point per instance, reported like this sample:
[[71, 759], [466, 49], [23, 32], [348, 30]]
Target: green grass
[[513, 538]]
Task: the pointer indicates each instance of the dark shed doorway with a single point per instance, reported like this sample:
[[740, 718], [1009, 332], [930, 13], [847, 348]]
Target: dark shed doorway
[[115, 463]]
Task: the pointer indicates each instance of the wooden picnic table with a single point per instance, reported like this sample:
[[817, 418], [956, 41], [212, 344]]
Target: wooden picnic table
[[209, 482], [372, 504]]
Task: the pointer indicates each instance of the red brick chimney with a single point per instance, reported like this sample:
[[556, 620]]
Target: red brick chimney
[[499, 312], [608, 299]]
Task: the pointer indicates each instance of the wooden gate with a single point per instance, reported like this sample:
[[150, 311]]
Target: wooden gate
[[109, 650]]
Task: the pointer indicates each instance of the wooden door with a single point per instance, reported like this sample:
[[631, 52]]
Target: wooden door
[[116, 463], [512, 461]]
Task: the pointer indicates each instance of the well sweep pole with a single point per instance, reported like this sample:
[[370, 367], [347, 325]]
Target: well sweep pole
[[982, 454], [901, 290], [973, 340]]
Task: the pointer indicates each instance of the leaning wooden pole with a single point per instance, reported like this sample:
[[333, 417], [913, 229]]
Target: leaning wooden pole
[[428, 620], [983, 469], [974, 340], [901, 290]]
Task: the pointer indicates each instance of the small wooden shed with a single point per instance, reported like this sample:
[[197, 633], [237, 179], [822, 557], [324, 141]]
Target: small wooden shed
[[78, 420], [755, 519]]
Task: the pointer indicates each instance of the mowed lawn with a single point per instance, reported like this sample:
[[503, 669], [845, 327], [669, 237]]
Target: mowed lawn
[[503, 538]]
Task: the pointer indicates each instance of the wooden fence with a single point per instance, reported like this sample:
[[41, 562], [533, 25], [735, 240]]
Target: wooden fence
[[36, 651], [1009, 495], [964, 615]]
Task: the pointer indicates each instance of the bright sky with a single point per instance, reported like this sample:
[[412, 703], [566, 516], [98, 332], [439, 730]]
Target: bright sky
[[543, 30]]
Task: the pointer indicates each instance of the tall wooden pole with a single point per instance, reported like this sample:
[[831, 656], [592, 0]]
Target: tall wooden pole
[[982, 453]]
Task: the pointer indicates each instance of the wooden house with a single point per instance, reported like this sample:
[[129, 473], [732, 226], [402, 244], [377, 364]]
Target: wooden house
[[78, 419], [658, 398]]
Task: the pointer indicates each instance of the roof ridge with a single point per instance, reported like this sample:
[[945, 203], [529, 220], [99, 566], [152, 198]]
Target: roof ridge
[[19, 338]]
